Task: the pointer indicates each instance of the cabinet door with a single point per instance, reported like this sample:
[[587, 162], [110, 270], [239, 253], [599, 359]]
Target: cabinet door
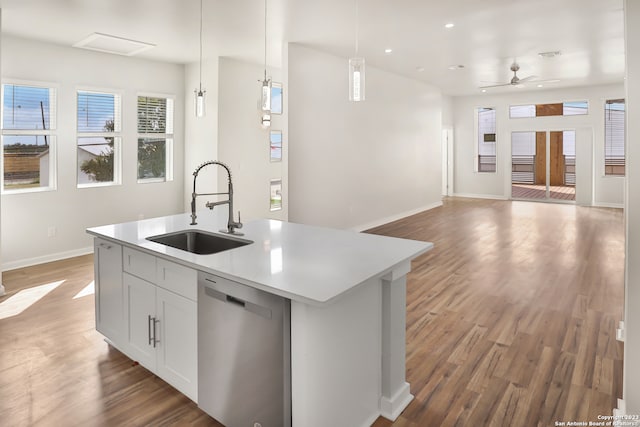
[[178, 346], [109, 295], [142, 328]]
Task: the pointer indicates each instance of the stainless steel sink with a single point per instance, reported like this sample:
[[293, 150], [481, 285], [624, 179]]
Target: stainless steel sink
[[199, 242]]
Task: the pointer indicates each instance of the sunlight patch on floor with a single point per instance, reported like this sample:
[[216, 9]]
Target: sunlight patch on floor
[[25, 298], [87, 290]]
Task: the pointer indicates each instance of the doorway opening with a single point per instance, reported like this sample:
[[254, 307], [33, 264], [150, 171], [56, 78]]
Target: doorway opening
[[543, 165]]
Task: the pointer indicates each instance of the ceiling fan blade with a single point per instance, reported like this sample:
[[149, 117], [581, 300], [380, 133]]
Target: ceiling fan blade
[[527, 79], [503, 84]]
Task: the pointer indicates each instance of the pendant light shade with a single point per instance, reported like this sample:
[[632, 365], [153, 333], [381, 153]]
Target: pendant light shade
[[265, 96], [199, 93], [356, 79], [356, 71], [200, 105]]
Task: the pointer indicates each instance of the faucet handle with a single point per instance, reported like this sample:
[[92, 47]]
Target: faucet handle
[[239, 224]]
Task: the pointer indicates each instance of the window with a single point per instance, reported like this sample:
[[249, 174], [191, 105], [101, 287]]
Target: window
[[614, 160], [575, 108], [275, 144], [276, 98], [486, 161], [275, 203], [155, 139], [28, 138], [98, 127]]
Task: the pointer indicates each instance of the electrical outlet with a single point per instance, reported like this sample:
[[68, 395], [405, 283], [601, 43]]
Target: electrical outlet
[[140, 216], [51, 231]]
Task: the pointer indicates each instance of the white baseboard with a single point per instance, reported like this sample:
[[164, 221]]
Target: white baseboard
[[12, 265], [480, 196], [608, 205], [396, 217], [392, 408]]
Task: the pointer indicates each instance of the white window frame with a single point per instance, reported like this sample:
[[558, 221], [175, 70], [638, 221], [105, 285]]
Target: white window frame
[[116, 134], [51, 133], [476, 133], [604, 126], [168, 137]]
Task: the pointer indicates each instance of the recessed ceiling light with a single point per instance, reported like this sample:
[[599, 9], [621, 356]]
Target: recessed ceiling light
[[388, 50], [540, 85], [483, 90], [419, 69], [456, 67], [449, 25], [550, 54]]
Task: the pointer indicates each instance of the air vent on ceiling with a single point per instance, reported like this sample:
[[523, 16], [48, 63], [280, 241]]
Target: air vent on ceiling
[[113, 44]]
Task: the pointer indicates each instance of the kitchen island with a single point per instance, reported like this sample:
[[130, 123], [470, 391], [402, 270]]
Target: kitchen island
[[347, 296]]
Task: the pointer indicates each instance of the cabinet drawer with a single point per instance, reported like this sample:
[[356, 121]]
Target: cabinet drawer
[[139, 264], [177, 279]]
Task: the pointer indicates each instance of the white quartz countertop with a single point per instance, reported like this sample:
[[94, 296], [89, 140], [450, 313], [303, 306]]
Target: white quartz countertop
[[308, 264]]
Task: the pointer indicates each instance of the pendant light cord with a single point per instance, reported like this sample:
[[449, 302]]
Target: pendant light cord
[[200, 45], [265, 40], [357, 32]]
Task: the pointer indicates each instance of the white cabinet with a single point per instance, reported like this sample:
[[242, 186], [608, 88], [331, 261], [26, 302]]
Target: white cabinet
[[177, 351], [109, 295], [161, 324], [140, 303]]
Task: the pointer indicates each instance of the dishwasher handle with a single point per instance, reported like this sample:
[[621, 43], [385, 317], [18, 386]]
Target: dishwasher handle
[[246, 305], [237, 301]]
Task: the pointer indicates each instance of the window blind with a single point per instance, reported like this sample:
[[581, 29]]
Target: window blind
[[29, 108], [98, 112], [155, 115]]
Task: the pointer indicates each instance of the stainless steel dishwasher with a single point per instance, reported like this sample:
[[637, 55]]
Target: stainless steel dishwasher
[[244, 354]]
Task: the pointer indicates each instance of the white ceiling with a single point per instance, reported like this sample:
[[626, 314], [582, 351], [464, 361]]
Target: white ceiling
[[487, 36]]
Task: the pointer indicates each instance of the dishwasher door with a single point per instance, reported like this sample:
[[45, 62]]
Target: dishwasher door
[[244, 354]]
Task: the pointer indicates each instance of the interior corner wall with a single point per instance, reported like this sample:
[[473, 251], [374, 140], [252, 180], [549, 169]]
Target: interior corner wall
[[607, 190], [243, 144], [631, 381], [27, 218], [354, 165], [200, 133]]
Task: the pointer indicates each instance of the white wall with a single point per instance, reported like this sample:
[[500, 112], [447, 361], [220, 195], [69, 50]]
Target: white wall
[[243, 144], [631, 383], [607, 191], [27, 217], [355, 165]]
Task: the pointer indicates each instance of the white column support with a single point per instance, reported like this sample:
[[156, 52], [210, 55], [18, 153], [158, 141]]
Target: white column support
[[395, 389]]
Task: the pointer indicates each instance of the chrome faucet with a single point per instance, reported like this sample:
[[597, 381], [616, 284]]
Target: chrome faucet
[[231, 224]]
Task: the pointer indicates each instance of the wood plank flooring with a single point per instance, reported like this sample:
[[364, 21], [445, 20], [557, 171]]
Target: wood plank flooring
[[511, 321], [539, 192], [512, 317]]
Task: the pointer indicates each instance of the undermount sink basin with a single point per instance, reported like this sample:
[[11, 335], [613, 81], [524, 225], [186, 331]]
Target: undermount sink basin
[[199, 242]]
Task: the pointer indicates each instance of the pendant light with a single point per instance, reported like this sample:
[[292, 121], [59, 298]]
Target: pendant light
[[356, 71], [199, 93], [265, 90]]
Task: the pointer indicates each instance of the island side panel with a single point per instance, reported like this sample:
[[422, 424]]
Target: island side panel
[[336, 360]]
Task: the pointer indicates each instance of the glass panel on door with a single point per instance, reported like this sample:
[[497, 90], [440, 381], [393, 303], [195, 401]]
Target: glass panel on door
[[562, 162], [528, 165], [543, 165]]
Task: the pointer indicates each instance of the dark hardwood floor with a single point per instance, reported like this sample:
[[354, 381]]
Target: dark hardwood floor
[[511, 322]]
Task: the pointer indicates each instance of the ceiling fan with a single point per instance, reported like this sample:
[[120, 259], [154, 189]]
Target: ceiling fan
[[515, 80]]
